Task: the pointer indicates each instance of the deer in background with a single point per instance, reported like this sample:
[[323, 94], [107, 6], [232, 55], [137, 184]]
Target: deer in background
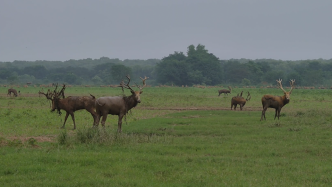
[[276, 102], [118, 105], [225, 91], [70, 104], [10, 91], [239, 100]]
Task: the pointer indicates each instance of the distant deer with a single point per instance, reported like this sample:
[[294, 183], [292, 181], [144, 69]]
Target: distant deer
[[118, 105], [70, 104], [225, 91], [10, 91], [276, 102], [239, 100]]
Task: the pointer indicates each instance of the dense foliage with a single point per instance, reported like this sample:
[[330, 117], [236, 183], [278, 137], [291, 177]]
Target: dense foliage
[[197, 66]]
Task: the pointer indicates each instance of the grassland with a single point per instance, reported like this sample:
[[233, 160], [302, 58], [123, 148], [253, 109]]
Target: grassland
[[175, 137]]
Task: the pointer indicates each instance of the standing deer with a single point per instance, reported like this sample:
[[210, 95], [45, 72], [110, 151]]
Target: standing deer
[[276, 102], [118, 105], [70, 104], [225, 91], [10, 91], [239, 100]]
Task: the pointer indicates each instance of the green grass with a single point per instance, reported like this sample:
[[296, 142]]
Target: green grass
[[169, 147]]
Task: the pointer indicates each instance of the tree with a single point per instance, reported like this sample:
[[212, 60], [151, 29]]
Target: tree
[[96, 80], [172, 72], [118, 72], [199, 67], [208, 64]]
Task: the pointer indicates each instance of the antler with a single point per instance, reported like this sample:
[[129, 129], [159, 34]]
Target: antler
[[291, 82], [280, 85], [144, 84], [48, 95], [61, 92], [248, 97], [123, 85]]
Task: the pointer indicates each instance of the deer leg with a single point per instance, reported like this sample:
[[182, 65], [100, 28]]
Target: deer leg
[[263, 113], [103, 120], [120, 123], [97, 120], [241, 106], [64, 123], [94, 116], [279, 113], [276, 114], [73, 118]]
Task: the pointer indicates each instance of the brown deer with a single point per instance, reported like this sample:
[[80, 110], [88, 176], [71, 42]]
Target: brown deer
[[276, 102], [239, 100], [225, 91], [70, 104], [10, 91], [118, 105]]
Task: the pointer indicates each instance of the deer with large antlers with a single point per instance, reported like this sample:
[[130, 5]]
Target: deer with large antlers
[[239, 100], [276, 102], [118, 105], [70, 104]]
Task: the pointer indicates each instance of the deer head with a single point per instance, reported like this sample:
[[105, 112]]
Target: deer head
[[135, 94], [287, 94]]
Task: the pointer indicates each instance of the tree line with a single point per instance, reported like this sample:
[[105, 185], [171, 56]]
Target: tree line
[[197, 66]]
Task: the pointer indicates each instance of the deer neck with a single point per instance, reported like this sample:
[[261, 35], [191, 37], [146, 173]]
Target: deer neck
[[130, 102], [285, 100]]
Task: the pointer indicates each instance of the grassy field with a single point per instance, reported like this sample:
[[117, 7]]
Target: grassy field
[[175, 137]]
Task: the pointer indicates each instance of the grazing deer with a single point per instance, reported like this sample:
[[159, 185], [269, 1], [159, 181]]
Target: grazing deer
[[118, 105], [70, 104], [225, 91], [276, 102], [10, 91], [239, 100]]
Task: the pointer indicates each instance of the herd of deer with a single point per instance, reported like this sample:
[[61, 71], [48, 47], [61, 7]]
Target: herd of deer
[[101, 107], [120, 105], [268, 101]]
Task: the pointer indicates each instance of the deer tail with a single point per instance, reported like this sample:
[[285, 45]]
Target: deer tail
[[93, 96]]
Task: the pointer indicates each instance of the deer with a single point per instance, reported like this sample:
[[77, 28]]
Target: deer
[[225, 91], [70, 104], [118, 105], [10, 91], [239, 100], [277, 102]]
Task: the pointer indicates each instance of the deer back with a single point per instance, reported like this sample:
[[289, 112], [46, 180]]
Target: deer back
[[238, 100], [274, 101]]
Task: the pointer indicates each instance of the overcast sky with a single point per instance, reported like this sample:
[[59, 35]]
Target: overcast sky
[[144, 29]]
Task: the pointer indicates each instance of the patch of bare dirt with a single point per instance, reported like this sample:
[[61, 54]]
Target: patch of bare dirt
[[199, 108]]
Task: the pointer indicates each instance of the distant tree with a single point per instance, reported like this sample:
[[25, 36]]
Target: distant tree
[[172, 72], [207, 63], [37, 71], [199, 67], [5, 73], [96, 80], [13, 78], [118, 72], [71, 78], [26, 78]]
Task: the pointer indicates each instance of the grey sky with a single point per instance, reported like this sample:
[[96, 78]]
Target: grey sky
[[143, 29]]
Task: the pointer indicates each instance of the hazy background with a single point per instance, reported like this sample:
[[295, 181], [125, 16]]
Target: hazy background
[[144, 29]]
